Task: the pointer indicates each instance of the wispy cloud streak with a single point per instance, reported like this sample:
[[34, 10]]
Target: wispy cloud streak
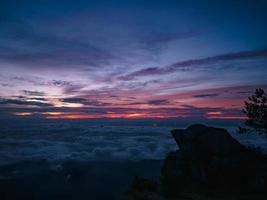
[[186, 65]]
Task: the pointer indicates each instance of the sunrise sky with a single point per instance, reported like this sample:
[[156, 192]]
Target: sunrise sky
[[130, 59]]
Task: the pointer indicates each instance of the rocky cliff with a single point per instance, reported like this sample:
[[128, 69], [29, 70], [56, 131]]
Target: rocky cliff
[[209, 164]]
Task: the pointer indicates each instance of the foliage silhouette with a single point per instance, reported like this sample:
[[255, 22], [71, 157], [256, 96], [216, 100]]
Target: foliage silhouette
[[256, 111]]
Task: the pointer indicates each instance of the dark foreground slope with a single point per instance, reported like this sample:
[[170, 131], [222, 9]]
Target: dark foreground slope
[[72, 180], [210, 164]]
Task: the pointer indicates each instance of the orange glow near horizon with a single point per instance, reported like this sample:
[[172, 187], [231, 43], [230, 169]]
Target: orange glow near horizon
[[227, 117], [219, 115], [72, 117], [132, 116], [23, 113], [214, 113], [61, 115], [52, 113], [109, 115]]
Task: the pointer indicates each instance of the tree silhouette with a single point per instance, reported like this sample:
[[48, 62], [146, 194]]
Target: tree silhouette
[[256, 110]]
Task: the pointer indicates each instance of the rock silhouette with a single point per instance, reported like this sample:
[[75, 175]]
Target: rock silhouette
[[209, 162]]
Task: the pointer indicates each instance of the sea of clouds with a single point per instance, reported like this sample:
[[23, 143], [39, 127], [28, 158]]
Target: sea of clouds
[[92, 141], [83, 141]]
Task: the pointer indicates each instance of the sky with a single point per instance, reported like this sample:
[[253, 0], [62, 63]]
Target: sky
[[131, 58]]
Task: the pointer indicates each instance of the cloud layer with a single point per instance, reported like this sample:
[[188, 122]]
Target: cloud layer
[[130, 59]]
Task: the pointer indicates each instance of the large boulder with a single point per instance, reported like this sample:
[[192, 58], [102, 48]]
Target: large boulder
[[204, 138], [209, 164], [211, 158]]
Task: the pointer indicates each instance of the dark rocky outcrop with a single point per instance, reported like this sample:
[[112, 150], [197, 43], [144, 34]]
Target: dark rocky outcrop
[[216, 141], [210, 162], [211, 158]]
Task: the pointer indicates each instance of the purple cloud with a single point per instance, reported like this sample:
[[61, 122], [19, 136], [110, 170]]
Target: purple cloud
[[185, 65]]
